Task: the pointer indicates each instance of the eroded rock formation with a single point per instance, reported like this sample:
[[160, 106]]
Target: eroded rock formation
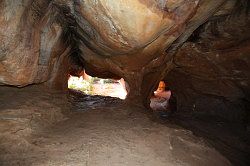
[[201, 47], [211, 73]]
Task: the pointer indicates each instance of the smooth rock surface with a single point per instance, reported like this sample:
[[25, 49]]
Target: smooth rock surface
[[114, 134]]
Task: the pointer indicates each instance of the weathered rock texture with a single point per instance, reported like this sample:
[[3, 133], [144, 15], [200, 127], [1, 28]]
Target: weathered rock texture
[[32, 48], [200, 47], [211, 73]]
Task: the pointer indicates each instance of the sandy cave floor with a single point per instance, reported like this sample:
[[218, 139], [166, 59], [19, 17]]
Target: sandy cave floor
[[38, 127]]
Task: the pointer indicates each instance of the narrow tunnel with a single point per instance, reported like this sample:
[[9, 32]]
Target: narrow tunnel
[[124, 82]]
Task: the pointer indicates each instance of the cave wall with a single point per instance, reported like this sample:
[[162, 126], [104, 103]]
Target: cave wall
[[31, 38], [211, 73]]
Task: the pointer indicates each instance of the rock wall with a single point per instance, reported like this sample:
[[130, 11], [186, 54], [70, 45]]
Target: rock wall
[[31, 39], [211, 73]]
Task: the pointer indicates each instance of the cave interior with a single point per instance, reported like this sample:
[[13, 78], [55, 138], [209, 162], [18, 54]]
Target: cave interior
[[199, 48]]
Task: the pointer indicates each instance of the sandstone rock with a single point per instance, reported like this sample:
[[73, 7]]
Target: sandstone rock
[[200, 46], [212, 73]]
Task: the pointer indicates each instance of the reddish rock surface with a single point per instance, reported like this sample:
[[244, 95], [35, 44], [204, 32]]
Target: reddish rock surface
[[200, 48]]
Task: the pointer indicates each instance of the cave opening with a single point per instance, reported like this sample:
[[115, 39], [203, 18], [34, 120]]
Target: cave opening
[[98, 86], [160, 100]]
